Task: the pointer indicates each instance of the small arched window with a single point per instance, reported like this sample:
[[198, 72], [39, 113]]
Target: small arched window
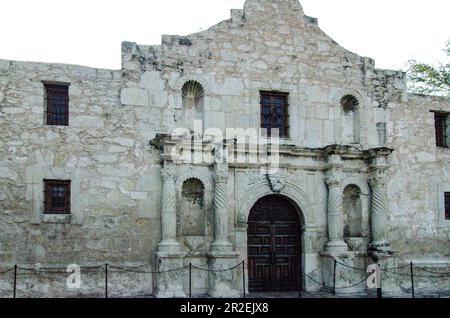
[[350, 119]]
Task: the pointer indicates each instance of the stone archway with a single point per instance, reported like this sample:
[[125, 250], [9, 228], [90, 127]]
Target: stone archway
[[274, 245]]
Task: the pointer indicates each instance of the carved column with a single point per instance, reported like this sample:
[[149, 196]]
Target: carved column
[[169, 258], [335, 206], [222, 209], [222, 281], [379, 203], [168, 212], [378, 210]]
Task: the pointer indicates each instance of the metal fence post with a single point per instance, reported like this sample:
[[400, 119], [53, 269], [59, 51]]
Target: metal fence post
[[15, 280], [106, 280], [379, 290], [334, 277], [190, 280], [412, 280], [300, 276], [243, 277]]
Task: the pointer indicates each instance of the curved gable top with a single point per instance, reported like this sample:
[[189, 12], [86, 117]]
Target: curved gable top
[[276, 21]]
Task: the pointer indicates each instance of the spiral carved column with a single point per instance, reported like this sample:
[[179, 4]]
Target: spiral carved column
[[222, 208], [222, 283], [378, 211], [380, 246], [168, 212], [335, 216]]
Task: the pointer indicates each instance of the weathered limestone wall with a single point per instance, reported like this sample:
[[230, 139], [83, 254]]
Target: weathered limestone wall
[[419, 177], [237, 58], [115, 172], [115, 183]]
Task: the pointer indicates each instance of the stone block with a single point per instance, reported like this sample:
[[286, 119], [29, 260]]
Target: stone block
[[151, 80], [134, 96]]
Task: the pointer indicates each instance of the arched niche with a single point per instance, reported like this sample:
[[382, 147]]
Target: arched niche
[[192, 208], [193, 103], [189, 184], [353, 217], [350, 119], [356, 205]]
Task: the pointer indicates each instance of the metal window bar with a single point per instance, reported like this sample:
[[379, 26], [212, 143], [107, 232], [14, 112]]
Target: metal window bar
[[275, 112], [440, 125], [57, 102], [447, 205], [57, 197]]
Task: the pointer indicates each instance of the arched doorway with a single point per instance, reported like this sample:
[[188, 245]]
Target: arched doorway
[[274, 245]]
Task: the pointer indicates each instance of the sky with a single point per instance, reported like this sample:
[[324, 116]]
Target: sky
[[90, 32]]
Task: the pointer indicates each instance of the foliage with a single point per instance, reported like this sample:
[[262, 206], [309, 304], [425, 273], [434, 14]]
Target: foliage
[[428, 79]]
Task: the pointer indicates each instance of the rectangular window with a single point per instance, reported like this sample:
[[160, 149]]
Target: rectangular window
[[275, 113], [56, 197], [57, 102], [447, 206], [442, 130]]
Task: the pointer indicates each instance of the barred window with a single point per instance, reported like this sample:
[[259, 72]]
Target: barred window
[[56, 197], [442, 125], [274, 113], [57, 102], [447, 206]]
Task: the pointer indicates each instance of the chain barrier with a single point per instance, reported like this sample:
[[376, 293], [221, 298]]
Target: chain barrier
[[218, 270], [365, 269], [395, 272], [440, 274], [133, 270], [6, 271]]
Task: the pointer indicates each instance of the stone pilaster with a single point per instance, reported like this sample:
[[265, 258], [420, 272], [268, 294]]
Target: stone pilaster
[[169, 258], [335, 206], [378, 211], [225, 277], [379, 203], [222, 210], [169, 280], [168, 212]]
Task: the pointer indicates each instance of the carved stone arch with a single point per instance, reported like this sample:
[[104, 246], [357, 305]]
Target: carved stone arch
[[190, 173], [290, 191], [362, 185], [344, 92], [197, 78]]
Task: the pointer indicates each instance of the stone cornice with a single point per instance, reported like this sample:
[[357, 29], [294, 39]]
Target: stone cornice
[[165, 143]]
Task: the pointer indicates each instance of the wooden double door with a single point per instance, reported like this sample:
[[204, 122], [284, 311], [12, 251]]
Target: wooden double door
[[274, 245]]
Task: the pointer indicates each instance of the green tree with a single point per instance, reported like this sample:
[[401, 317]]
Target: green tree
[[428, 79]]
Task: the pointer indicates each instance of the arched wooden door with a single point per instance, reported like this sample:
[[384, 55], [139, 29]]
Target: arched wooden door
[[274, 245]]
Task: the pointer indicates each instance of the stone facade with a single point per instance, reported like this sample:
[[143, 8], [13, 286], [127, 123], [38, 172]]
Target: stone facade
[[132, 203]]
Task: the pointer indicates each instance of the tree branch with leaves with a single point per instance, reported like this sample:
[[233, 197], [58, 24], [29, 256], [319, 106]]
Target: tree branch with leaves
[[428, 79]]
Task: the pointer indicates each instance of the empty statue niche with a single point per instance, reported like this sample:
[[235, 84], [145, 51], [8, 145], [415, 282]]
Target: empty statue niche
[[352, 212], [350, 120], [193, 103], [193, 208]]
